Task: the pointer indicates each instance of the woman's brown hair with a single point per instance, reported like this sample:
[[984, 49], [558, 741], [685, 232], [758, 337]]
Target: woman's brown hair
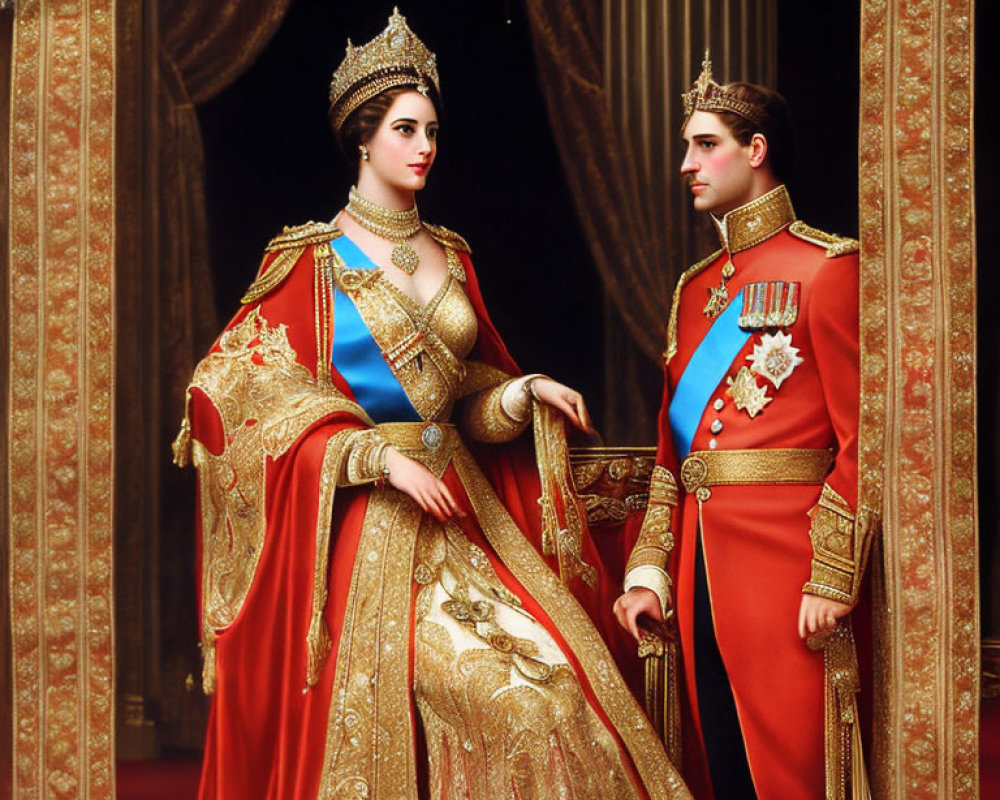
[[362, 123]]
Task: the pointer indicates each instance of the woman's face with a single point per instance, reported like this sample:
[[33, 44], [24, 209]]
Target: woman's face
[[402, 150]]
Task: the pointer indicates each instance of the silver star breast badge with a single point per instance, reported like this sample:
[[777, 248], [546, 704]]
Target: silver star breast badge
[[775, 358]]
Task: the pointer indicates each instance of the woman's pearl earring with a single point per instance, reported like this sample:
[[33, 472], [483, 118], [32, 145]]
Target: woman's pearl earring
[[364, 152]]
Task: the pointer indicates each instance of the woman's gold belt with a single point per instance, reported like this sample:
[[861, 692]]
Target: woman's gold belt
[[431, 443], [705, 468]]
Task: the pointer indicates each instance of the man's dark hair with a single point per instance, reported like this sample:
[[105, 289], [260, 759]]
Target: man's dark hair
[[774, 125]]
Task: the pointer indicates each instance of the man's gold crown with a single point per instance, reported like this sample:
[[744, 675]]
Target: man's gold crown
[[707, 95], [396, 57]]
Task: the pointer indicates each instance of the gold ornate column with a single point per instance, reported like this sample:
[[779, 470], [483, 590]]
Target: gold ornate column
[[61, 379], [918, 393]]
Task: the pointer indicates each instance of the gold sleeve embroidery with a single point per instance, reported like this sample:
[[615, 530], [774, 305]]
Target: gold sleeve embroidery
[[656, 539], [365, 461], [479, 376], [840, 547], [483, 417]]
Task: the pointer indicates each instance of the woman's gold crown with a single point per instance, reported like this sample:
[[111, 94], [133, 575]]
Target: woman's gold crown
[[396, 57], [707, 95]]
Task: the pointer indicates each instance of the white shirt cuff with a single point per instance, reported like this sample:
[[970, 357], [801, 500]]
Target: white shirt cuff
[[649, 577]]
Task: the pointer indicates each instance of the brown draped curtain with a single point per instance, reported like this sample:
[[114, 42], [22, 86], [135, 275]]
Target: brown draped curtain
[[176, 55], [203, 48], [612, 72]]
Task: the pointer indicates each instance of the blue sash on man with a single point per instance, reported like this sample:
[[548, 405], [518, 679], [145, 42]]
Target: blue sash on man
[[706, 369]]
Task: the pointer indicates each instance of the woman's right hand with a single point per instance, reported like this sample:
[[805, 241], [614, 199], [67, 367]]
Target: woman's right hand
[[413, 478]]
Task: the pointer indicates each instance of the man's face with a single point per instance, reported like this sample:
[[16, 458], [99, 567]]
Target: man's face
[[717, 167]]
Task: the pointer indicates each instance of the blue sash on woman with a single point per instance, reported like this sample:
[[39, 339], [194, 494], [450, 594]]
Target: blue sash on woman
[[357, 357]]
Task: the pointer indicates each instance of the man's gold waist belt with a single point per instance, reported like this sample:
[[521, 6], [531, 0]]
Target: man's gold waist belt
[[430, 443], [705, 468]]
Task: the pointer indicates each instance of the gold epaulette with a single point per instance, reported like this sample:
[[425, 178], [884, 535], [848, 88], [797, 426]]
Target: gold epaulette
[[448, 238], [833, 244], [290, 244], [301, 235], [688, 274]]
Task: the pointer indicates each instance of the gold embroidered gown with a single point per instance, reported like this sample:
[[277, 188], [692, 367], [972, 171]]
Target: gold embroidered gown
[[448, 660]]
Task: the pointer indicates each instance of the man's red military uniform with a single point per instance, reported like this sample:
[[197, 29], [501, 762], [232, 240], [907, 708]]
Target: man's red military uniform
[[761, 387]]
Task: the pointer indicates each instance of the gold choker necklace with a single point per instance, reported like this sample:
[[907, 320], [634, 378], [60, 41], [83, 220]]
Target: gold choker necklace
[[388, 223]]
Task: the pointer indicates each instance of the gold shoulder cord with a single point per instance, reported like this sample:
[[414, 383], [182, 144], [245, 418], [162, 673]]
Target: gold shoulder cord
[[688, 274], [290, 245], [833, 244]]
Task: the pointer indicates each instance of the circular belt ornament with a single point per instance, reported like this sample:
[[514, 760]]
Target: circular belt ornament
[[693, 472], [431, 437]]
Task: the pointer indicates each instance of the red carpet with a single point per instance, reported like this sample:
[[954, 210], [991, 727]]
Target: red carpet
[[989, 748], [170, 779]]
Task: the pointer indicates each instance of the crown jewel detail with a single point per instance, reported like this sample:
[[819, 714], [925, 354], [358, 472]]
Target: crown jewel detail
[[396, 57], [707, 95]]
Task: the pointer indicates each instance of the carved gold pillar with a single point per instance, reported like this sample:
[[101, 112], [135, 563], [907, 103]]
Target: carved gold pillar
[[918, 390], [61, 379]]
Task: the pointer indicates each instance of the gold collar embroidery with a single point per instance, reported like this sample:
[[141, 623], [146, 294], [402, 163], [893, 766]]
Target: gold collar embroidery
[[756, 221]]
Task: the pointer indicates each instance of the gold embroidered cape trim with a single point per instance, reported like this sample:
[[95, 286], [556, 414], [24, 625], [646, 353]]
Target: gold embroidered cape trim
[[446, 237], [756, 221], [552, 457], [264, 408], [642, 743], [290, 246], [370, 749], [833, 244], [688, 274], [318, 638]]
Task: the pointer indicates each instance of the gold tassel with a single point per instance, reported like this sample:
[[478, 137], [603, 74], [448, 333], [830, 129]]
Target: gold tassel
[[662, 698], [844, 754], [208, 674], [320, 644], [182, 444]]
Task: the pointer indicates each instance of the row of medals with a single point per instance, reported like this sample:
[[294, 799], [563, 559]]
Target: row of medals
[[773, 358]]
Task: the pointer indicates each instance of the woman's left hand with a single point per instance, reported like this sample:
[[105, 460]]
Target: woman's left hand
[[567, 400]]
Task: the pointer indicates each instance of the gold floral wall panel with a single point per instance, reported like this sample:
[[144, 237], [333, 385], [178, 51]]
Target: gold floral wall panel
[[61, 380], [918, 305]]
